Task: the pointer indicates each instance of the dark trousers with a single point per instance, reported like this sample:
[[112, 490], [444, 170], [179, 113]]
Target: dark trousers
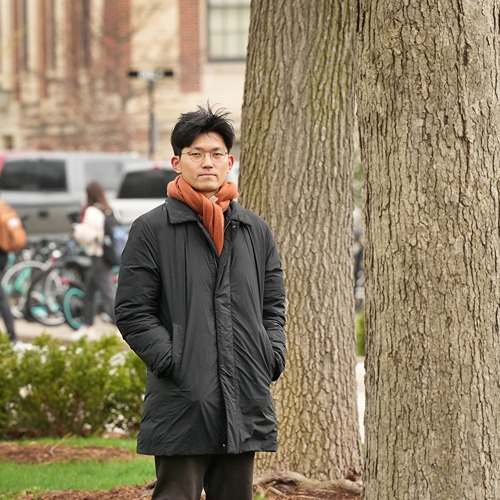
[[224, 477], [98, 279], [6, 314]]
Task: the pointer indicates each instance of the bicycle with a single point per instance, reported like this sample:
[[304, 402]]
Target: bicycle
[[44, 301], [73, 300], [21, 269]]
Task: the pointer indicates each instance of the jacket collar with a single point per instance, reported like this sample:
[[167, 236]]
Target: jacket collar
[[178, 212]]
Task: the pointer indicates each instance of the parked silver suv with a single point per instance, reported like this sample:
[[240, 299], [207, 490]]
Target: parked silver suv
[[46, 187]]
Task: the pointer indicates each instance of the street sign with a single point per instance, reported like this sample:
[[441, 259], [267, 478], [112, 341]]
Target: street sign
[[150, 74]]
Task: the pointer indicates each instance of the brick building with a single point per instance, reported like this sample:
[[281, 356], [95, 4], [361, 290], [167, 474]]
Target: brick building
[[90, 74]]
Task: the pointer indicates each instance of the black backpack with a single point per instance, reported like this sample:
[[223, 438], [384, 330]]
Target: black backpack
[[115, 237]]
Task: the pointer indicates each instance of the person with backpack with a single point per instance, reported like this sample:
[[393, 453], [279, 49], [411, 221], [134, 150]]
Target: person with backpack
[[90, 233], [12, 239], [5, 311]]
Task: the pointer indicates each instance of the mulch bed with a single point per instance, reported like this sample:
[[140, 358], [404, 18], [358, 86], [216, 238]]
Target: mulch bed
[[39, 453]]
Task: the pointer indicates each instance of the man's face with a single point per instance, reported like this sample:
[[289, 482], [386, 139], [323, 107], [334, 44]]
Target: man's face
[[205, 164]]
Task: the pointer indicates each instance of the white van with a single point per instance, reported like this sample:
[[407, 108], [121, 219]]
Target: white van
[[47, 187]]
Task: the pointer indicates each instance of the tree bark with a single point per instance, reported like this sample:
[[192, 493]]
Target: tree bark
[[296, 172], [429, 114]]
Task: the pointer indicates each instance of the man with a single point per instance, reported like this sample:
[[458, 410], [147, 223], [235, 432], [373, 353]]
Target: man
[[200, 299]]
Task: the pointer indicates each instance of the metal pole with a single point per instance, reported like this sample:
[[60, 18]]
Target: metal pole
[[151, 76], [152, 119]]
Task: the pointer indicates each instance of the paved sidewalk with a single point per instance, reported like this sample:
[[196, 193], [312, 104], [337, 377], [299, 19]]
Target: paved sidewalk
[[27, 331]]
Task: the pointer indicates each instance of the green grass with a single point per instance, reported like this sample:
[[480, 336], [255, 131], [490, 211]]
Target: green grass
[[76, 475]]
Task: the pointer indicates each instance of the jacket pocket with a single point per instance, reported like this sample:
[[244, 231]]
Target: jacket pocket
[[178, 334], [269, 354]]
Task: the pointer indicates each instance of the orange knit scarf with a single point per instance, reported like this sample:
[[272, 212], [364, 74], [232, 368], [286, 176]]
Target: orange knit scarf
[[211, 212]]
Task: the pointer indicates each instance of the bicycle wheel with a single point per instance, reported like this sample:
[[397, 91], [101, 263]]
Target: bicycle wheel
[[16, 283], [73, 306], [44, 300]]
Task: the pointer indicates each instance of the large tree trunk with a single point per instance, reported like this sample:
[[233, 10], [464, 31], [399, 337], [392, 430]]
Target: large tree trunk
[[430, 142], [296, 171]]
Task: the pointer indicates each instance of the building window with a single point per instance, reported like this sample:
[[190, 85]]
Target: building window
[[228, 23], [8, 142]]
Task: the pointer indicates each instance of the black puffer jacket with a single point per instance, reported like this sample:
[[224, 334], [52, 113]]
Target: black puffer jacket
[[210, 330]]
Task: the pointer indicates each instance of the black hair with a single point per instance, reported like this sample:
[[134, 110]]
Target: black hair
[[203, 121]]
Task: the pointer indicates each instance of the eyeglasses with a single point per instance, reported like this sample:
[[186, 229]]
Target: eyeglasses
[[216, 156]]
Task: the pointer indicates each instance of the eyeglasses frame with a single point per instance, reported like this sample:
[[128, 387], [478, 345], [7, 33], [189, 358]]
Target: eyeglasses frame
[[204, 153]]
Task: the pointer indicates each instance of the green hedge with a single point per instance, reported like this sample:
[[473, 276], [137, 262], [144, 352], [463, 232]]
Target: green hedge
[[80, 389]]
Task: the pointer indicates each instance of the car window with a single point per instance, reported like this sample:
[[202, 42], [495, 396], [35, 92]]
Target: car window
[[106, 172], [146, 184], [33, 175]]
